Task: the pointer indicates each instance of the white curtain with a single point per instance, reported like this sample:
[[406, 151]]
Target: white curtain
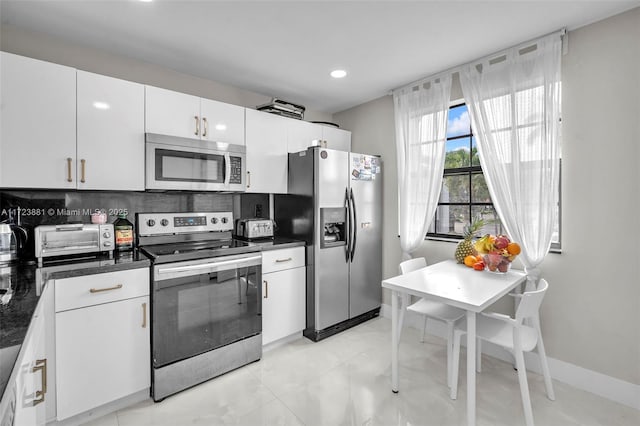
[[514, 104], [421, 113]]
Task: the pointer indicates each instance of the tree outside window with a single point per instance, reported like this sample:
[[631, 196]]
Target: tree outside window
[[464, 192]]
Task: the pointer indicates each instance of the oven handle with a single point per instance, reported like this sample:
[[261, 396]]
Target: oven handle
[[201, 266]]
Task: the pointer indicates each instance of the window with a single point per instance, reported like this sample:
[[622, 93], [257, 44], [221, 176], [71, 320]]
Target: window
[[464, 192]]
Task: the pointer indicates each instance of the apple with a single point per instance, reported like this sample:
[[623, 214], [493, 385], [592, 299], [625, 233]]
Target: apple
[[501, 242]]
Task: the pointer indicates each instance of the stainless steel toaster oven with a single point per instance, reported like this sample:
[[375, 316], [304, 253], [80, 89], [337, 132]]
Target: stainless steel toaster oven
[[254, 228], [73, 239]]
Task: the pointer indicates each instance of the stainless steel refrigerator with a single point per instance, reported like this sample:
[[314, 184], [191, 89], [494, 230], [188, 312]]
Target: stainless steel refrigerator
[[334, 204]]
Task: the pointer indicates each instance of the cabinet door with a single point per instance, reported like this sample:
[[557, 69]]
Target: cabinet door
[[302, 134], [38, 131], [222, 122], [336, 138], [102, 354], [110, 153], [172, 113], [31, 385], [266, 153], [283, 304]]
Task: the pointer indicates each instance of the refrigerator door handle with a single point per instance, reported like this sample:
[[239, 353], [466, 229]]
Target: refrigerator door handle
[[349, 225], [353, 238]]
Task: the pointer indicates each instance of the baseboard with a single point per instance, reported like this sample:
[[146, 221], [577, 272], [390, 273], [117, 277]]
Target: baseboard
[[103, 410], [600, 384], [280, 342]]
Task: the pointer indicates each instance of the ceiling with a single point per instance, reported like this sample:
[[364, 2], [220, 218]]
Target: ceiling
[[287, 49]]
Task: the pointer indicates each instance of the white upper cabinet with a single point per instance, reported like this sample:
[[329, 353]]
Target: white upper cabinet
[[302, 134], [336, 138], [178, 114], [110, 151], [266, 152], [172, 113], [38, 123], [222, 122]]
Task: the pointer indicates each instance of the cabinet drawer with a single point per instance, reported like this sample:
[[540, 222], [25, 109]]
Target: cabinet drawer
[[278, 260], [88, 290]]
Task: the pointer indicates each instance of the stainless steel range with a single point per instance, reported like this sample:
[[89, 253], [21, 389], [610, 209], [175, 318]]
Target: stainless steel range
[[206, 298]]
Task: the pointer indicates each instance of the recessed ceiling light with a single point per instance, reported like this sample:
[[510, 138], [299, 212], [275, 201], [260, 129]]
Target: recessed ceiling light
[[338, 73], [146, 1]]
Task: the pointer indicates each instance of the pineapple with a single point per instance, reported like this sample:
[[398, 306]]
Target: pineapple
[[465, 247]]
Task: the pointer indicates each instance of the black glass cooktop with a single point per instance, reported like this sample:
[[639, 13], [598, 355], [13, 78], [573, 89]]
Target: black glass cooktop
[[177, 252]]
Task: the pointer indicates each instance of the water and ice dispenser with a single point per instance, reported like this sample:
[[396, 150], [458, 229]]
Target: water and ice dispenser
[[334, 227]]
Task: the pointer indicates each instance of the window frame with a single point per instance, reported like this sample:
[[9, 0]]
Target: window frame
[[470, 170]]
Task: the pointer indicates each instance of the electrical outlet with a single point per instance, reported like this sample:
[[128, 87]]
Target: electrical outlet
[[258, 210]]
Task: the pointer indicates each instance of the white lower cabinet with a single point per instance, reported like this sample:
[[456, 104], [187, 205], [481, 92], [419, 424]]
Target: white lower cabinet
[[102, 339], [283, 293], [31, 384]]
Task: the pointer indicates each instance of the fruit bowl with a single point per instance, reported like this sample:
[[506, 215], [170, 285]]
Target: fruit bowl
[[494, 253], [496, 262]]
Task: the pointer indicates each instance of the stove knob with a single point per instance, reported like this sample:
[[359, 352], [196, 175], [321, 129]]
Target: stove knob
[[214, 220], [164, 222], [151, 222], [107, 244], [225, 220], [106, 235]]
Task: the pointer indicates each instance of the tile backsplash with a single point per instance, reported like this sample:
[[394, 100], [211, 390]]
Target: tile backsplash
[[57, 207], [49, 207]]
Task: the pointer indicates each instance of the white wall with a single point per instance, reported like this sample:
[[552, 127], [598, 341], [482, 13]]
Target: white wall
[[591, 314], [46, 48]]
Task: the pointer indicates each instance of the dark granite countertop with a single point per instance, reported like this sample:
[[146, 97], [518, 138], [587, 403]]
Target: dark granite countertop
[[277, 243], [20, 289]]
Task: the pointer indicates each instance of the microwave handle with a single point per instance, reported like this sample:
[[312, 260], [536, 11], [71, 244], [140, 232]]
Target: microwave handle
[[227, 169]]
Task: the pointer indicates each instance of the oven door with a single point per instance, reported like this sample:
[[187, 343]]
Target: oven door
[[179, 163], [201, 305]]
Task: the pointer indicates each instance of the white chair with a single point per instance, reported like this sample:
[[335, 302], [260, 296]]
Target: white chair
[[513, 335], [434, 310]]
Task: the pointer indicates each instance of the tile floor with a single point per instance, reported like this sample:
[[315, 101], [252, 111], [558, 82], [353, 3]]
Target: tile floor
[[345, 380]]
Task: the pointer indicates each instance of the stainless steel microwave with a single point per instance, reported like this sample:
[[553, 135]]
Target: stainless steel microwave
[[175, 163]]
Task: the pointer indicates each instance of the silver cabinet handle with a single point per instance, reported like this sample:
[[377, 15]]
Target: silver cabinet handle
[[98, 290], [41, 366], [197, 125], [248, 179], [69, 178], [288, 259], [83, 163], [206, 127], [144, 315], [266, 290]]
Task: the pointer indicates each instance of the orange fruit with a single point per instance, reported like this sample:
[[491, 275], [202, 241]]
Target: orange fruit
[[479, 266], [470, 260], [513, 248]]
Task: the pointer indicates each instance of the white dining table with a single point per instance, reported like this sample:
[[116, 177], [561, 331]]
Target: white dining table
[[456, 285]]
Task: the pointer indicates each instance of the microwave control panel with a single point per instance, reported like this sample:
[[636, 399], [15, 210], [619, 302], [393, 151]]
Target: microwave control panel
[[236, 170]]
